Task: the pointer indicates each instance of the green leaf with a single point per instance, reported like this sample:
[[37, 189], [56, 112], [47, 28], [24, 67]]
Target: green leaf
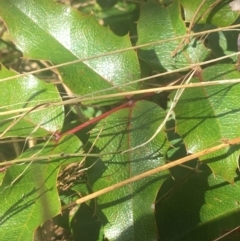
[[129, 210], [214, 12], [160, 23], [43, 29], [28, 192], [202, 208], [27, 92], [206, 115], [85, 223]]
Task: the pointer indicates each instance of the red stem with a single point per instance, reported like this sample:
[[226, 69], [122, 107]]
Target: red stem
[[92, 121]]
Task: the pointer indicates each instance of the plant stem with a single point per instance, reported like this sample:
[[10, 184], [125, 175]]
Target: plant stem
[[93, 120]]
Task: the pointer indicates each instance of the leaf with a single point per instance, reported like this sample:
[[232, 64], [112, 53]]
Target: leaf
[[85, 223], [223, 43], [159, 23], [208, 205], [129, 211], [25, 92], [207, 115], [43, 29], [120, 17], [215, 12], [28, 192]]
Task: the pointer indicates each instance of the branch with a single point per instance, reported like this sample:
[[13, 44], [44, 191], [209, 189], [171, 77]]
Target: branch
[[225, 144]]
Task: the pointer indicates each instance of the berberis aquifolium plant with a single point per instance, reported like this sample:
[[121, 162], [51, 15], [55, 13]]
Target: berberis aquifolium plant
[[119, 120]]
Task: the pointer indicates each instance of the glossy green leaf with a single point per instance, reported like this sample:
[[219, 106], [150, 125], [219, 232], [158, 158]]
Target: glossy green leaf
[[129, 210], [43, 29], [160, 23], [207, 115], [202, 208], [27, 92], [28, 192], [215, 12]]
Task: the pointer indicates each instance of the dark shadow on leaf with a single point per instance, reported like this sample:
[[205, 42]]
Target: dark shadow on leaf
[[230, 151], [222, 75], [30, 198], [101, 166], [179, 214], [85, 224], [216, 8], [151, 180], [205, 112], [23, 203], [178, 211], [152, 58], [33, 96]]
